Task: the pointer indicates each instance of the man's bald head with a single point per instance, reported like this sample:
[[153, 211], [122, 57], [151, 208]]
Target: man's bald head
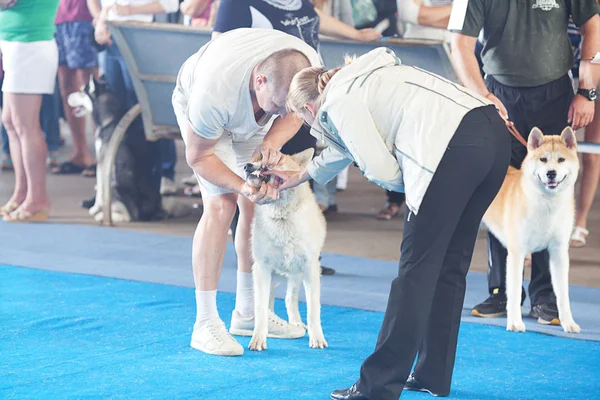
[[281, 66], [273, 77]]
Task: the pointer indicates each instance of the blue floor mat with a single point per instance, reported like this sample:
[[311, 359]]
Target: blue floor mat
[[359, 282], [72, 336]]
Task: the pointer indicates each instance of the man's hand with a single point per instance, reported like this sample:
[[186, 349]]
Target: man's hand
[[267, 154], [367, 35], [501, 109], [263, 195], [581, 112], [102, 34]]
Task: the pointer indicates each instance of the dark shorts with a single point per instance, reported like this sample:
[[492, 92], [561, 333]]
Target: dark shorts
[[75, 50]]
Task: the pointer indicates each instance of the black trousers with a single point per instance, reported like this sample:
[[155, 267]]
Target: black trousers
[[426, 299], [395, 197], [301, 141], [546, 107]]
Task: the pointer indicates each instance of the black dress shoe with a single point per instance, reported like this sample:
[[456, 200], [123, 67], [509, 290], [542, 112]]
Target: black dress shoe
[[348, 394], [413, 384]]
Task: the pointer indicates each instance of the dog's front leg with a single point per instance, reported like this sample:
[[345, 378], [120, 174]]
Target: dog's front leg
[[294, 285], [514, 282], [97, 207], [262, 292], [312, 288], [559, 272]]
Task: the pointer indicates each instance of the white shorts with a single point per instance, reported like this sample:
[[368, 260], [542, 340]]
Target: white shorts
[[234, 154], [29, 67]]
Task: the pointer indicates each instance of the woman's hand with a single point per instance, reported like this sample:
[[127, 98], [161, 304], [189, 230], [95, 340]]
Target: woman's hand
[[288, 179], [368, 35]]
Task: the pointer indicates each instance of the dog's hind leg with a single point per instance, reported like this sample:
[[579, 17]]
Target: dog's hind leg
[[312, 288], [262, 293], [514, 282], [294, 285], [559, 271]]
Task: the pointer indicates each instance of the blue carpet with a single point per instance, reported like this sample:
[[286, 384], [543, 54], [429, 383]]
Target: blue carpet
[[359, 282], [78, 336]]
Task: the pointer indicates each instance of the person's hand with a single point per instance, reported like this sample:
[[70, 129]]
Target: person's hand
[[267, 154], [287, 179], [581, 112], [368, 35], [101, 33], [263, 195], [121, 10], [501, 109]]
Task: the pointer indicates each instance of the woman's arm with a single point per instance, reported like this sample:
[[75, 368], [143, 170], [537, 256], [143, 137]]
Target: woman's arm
[[194, 8], [333, 27]]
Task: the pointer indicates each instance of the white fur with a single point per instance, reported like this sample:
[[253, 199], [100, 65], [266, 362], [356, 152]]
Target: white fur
[[287, 238]]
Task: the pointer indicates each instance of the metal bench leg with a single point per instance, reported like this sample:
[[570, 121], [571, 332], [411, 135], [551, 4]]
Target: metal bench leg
[[108, 161]]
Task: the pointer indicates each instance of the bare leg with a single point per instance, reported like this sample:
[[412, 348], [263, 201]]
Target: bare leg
[[210, 240], [31, 149], [242, 235], [71, 81], [20, 190]]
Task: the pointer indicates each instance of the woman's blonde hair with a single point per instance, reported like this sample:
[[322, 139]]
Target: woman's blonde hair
[[308, 86]]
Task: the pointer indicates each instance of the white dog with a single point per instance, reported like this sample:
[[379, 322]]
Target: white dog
[[535, 210], [287, 238]]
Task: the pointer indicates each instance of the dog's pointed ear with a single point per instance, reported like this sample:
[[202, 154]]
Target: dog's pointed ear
[[535, 138], [304, 157], [568, 136]]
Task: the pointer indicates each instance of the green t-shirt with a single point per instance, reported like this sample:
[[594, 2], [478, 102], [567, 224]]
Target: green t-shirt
[[526, 41], [29, 21]]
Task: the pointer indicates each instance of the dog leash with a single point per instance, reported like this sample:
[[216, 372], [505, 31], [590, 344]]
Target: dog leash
[[515, 132]]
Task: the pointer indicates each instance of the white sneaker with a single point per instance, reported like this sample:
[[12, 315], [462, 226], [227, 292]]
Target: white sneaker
[[167, 187], [278, 328], [212, 338]]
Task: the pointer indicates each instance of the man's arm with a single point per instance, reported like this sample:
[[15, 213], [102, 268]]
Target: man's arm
[[466, 67], [282, 130], [581, 111], [200, 156]]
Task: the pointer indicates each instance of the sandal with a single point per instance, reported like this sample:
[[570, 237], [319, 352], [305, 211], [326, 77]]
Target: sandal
[[8, 208], [89, 172], [6, 163], [52, 160], [390, 211], [20, 215], [578, 237], [67, 168]]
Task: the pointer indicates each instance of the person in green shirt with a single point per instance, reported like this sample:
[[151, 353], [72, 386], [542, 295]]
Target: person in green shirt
[[526, 59], [30, 61]]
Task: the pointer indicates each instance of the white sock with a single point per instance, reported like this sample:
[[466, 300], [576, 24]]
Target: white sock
[[244, 294], [206, 306]]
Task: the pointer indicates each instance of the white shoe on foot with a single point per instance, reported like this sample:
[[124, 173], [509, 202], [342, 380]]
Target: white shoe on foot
[[278, 328], [211, 337]]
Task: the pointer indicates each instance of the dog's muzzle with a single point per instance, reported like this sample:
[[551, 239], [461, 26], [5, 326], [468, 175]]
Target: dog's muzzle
[[254, 175]]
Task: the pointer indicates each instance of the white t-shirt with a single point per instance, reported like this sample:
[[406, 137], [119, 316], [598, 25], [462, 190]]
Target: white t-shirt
[[215, 81]]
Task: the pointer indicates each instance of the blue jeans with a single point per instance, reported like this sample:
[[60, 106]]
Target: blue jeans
[[49, 115], [120, 82]]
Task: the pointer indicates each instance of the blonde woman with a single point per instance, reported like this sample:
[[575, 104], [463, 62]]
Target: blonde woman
[[447, 148]]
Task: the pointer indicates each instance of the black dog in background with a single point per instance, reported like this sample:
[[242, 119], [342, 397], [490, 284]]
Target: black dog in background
[[136, 178]]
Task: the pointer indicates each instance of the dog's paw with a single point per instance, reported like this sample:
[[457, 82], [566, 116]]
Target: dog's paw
[[258, 343], [119, 217], [317, 342], [515, 326], [95, 209], [570, 326]]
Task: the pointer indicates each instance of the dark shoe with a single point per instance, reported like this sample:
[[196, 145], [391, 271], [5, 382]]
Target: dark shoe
[[88, 203], [348, 394], [413, 384], [493, 307], [327, 271], [546, 313]]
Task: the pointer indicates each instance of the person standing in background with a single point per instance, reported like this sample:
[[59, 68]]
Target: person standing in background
[[30, 61], [77, 61]]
